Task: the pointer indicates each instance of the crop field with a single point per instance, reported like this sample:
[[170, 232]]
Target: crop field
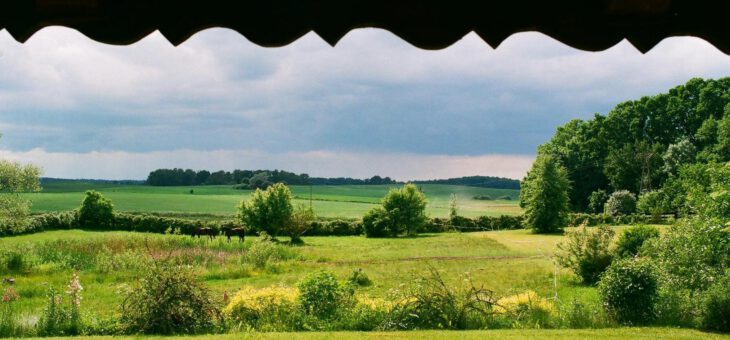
[[346, 201]]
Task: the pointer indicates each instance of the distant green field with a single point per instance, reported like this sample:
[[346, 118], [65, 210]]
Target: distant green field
[[347, 201]]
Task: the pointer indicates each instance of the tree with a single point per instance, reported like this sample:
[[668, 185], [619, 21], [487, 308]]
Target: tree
[[259, 181], [402, 211], [96, 211], [270, 210], [597, 200], [678, 154], [301, 221], [14, 209], [544, 195], [453, 208]]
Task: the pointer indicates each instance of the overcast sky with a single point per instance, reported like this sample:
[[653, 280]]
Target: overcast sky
[[371, 105]]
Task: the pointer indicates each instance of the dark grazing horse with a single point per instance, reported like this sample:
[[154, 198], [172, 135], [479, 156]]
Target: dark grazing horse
[[237, 231], [204, 231]]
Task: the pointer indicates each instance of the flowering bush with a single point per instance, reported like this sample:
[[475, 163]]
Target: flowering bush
[[271, 307], [59, 318]]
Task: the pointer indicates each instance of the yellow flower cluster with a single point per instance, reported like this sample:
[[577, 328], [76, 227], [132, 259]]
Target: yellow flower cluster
[[528, 300], [249, 302], [374, 303]]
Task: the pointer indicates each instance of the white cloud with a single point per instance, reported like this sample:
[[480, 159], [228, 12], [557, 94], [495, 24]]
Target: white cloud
[[128, 165]]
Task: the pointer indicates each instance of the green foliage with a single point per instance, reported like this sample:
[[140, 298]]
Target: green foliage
[[259, 181], [403, 210], [629, 291], [376, 223], [631, 240], [10, 324], [322, 296], [677, 155], [264, 252], [544, 195], [621, 202], [692, 254], [708, 190], [301, 220], [586, 252], [597, 201], [14, 209], [96, 211], [168, 299], [652, 203], [269, 210], [359, 278], [715, 306], [431, 303], [62, 317]]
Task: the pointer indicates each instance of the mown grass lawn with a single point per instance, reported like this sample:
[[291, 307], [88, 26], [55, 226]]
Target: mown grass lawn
[[348, 201]]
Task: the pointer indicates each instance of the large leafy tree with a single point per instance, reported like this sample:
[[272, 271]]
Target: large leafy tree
[[270, 210], [544, 195]]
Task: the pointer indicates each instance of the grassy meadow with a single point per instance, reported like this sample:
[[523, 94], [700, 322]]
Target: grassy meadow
[[346, 201], [507, 262]]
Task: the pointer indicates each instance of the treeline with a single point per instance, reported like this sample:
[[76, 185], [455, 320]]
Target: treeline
[[646, 145], [245, 179], [477, 181]]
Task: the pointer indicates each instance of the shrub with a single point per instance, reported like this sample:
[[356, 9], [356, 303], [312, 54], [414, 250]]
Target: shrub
[[376, 223], [430, 303], [264, 251], [628, 291], [405, 209], [359, 278], [621, 203], [597, 200], [269, 210], [168, 300], [652, 203], [586, 252], [544, 195], [631, 240], [715, 306], [96, 211], [300, 222], [272, 308], [322, 296]]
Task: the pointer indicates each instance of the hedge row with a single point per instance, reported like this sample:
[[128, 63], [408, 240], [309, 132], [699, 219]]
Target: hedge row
[[325, 227]]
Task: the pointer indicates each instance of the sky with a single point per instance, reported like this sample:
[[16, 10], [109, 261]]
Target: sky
[[373, 104]]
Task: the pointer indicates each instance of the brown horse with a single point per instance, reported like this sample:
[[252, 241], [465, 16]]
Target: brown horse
[[238, 231], [204, 231]]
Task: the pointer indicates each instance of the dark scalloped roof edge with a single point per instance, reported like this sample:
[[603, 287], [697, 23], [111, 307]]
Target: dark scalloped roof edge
[[587, 25]]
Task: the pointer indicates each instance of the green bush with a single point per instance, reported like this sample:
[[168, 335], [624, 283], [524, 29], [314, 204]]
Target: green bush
[[629, 291], [359, 278], [652, 203], [376, 223], [96, 212], [264, 252], [270, 210], [169, 299], [403, 211], [715, 306], [631, 240], [597, 200], [621, 202], [586, 252], [322, 296]]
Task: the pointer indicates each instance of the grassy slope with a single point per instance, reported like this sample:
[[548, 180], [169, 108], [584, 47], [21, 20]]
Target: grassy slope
[[329, 201]]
